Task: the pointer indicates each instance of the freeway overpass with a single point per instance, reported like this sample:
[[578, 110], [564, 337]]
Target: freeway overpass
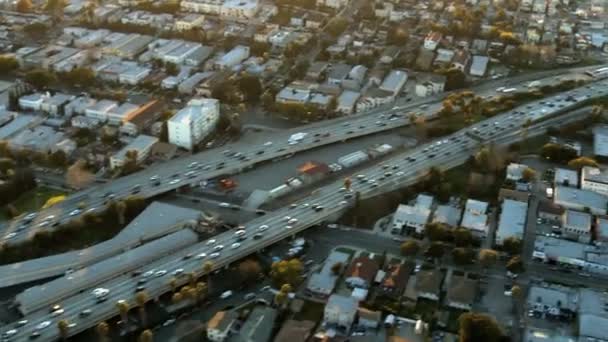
[[230, 159], [330, 201]]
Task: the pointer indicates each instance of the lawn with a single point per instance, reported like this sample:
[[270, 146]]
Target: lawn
[[311, 311], [32, 200]]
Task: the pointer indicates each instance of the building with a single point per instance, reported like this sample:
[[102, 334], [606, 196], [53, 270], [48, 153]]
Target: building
[[189, 22], [594, 179], [361, 272], [479, 66], [40, 138], [347, 101], [368, 319], [78, 106], [577, 226], [340, 312], [566, 177], [571, 254], [412, 217], [431, 41], [430, 85], [592, 315], [194, 122], [258, 327], [233, 57], [394, 280], [123, 113], [475, 218], [512, 220], [581, 200], [142, 118], [338, 73], [394, 82], [295, 331], [548, 210], [321, 284], [219, 326], [428, 284], [551, 298], [99, 111], [448, 214], [336, 4], [515, 171], [461, 60], [461, 292], [600, 141], [141, 145], [601, 229], [225, 8]]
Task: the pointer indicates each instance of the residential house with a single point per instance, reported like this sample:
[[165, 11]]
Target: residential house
[[577, 226], [432, 39], [316, 70], [189, 22], [346, 101], [430, 85], [461, 292], [395, 280], [600, 141], [444, 57], [448, 214], [428, 284], [219, 326], [594, 179], [368, 319], [475, 218], [512, 221], [461, 59], [141, 145], [548, 210], [515, 171], [321, 284], [412, 217], [233, 57], [479, 66], [295, 331], [338, 73], [361, 272], [340, 312]]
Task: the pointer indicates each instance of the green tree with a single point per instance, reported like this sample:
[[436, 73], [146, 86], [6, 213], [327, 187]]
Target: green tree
[[436, 250], [8, 64], [515, 265], [36, 30], [475, 327], [462, 237], [58, 159], [463, 256], [488, 257], [512, 245], [436, 231], [249, 270], [251, 87], [146, 336], [40, 78], [79, 77], [409, 248], [580, 162], [336, 26], [558, 153], [171, 69]]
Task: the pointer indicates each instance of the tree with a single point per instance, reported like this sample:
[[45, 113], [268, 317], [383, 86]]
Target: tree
[[141, 297], [146, 336], [436, 250], [171, 69], [24, 6], [528, 174], [207, 268], [201, 291], [409, 248], [63, 327], [436, 231], [58, 159], [336, 26], [581, 162], [8, 64], [36, 30], [249, 270], [120, 209], [517, 292], [79, 77], [463, 256], [488, 257], [515, 265], [474, 327], [40, 78], [251, 87], [102, 330], [123, 309], [337, 268], [512, 245], [176, 298], [462, 237], [173, 284], [286, 272], [280, 298], [558, 153]]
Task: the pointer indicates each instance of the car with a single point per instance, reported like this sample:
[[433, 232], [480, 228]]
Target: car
[[142, 281], [57, 312], [210, 242], [42, 325], [9, 236], [160, 273], [55, 307], [187, 256], [140, 288], [286, 218], [257, 236], [193, 164], [292, 221], [332, 226], [318, 208], [154, 178], [226, 294], [43, 224], [71, 325], [148, 273], [288, 227], [201, 256], [21, 323], [214, 255], [86, 312], [268, 143], [224, 205], [249, 296], [9, 333], [174, 181], [235, 245], [262, 228], [218, 248], [30, 216], [74, 212], [169, 322], [34, 335], [178, 271]]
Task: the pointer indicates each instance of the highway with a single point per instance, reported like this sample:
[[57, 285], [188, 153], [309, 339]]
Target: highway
[[229, 159], [327, 202]]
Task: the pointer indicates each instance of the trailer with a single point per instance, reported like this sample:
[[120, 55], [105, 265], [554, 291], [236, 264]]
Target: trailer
[[353, 159]]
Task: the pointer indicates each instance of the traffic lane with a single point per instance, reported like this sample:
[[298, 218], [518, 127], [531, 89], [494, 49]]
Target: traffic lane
[[272, 174]]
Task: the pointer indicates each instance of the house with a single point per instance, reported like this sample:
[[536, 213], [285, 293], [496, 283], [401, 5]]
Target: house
[[592, 315], [316, 70], [428, 284], [361, 272], [355, 78], [582, 200], [40, 138], [321, 284], [512, 220], [479, 66], [189, 22], [233, 57], [340, 312], [565, 177], [444, 57], [335, 4], [461, 292], [594, 179], [547, 210], [390, 54], [475, 218], [394, 82], [258, 327], [338, 73], [431, 40], [448, 214], [295, 93], [515, 171], [347, 101], [141, 145], [295, 331], [368, 319], [600, 141], [395, 280], [461, 59], [412, 217], [548, 298], [430, 85], [224, 8], [577, 226], [219, 326], [601, 229]]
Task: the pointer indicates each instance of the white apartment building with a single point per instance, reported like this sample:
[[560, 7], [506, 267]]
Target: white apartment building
[[225, 8], [194, 122], [594, 179]]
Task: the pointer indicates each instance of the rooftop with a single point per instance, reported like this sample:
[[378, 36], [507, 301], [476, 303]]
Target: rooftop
[[325, 280], [295, 331], [566, 177], [258, 327], [222, 320], [448, 214], [568, 196], [593, 174], [512, 219], [462, 290], [578, 219], [429, 281]]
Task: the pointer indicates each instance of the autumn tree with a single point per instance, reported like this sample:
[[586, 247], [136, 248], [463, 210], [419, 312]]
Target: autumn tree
[[515, 265], [580, 162], [463, 256], [475, 327], [409, 248], [436, 250], [512, 245], [24, 6], [146, 336], [249, 270], [488, 257], [102, 329], [40, 78], [336, 268], [8, 64], [528, 174], [286, 272]]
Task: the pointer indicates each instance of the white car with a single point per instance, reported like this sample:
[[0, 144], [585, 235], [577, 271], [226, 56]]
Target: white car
[[174, 181], [268, 143], [214, 255], [288, 227], [262, 228], [71, 325], [210, 242], [100, 291], [218, 248], [235, 245], [74, 212], [178, 271], [148, 274], [224, 205], [43, 224], [57, 312], [292, 221], [287, 218], [9, 236], [9, 333], [160, 273], [201, 255], [43, 325]]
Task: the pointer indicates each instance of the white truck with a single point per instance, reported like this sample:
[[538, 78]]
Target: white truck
[[296, 138], [353, 159]]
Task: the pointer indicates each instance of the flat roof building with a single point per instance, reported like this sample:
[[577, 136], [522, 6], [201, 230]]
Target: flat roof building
[[582, 200], [594, 179], [447, 214], [142, 145], [566, 177], [475, 217], [600, 141], [193, 123], [322, 283], [479, 66], [394, 82], [512, 220]]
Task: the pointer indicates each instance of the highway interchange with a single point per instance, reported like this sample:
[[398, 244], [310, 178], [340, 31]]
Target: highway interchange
[[229, 159], [327, 202]]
